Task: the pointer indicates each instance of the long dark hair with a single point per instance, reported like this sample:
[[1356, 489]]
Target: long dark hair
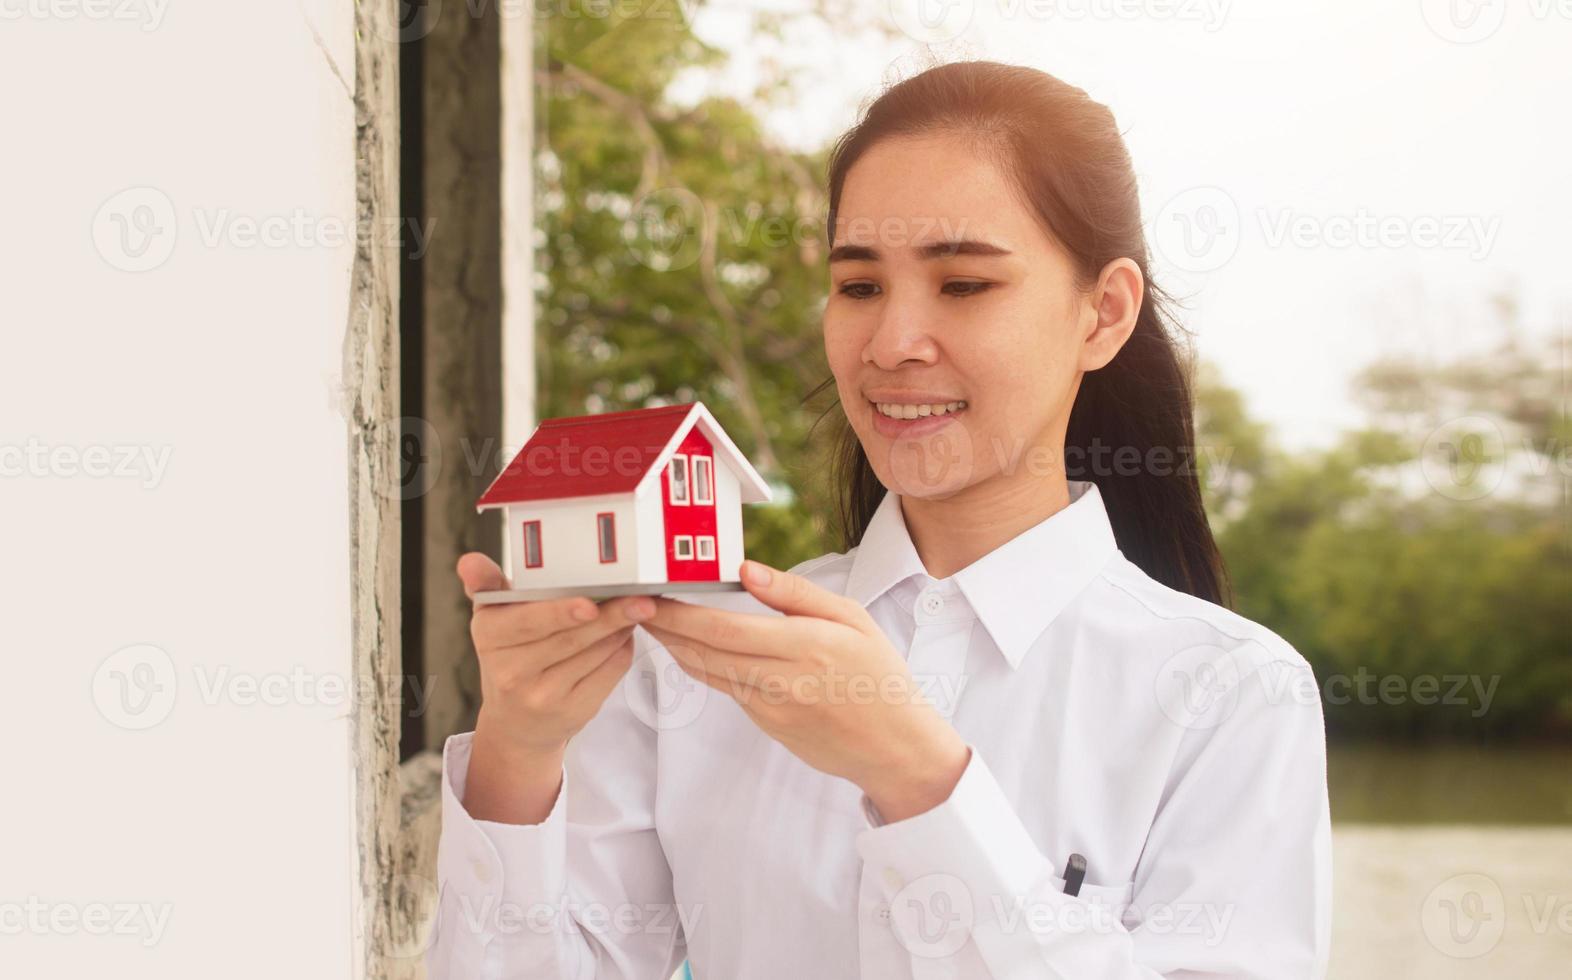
[[1066, 153]]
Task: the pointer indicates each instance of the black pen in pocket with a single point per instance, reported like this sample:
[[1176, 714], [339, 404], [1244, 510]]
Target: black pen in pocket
[[1074, 874]]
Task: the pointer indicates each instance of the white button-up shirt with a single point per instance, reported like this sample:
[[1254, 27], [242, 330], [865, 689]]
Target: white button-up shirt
[[1174, 745]]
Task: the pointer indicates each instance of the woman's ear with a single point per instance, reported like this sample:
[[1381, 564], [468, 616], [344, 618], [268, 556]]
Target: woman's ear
[[1116, 301]]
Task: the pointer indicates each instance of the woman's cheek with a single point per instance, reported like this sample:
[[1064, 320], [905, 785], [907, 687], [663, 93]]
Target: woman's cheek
[[838, 344]]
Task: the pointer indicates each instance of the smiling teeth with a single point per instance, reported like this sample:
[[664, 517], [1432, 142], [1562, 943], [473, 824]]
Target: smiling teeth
[[895, 411]]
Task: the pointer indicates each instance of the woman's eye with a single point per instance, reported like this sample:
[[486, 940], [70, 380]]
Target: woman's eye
[[961, 289], [859, 290], [966, 288]]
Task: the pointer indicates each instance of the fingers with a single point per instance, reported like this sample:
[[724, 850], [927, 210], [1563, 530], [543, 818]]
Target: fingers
[[795, 595], [597, 684], [741, 669], [615, 615], [730, 683], [723, 629], [555, 629], [480, 574], [515, 623], [567, 672]]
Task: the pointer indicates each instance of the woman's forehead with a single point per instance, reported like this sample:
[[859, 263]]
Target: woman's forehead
[[912, 191]]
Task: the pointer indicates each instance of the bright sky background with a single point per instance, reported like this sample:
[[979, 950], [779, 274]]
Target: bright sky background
[[1435, 117]]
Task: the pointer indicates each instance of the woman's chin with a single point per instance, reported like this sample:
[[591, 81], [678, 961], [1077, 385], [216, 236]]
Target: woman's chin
[[935, 466]]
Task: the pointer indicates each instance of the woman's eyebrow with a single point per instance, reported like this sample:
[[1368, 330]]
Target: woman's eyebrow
[[933, 250]]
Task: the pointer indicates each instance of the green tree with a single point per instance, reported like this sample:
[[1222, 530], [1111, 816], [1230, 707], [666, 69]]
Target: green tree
[[682, 256], [1373, 563]]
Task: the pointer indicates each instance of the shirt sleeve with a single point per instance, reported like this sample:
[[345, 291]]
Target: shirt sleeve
[[586, 893], [1234, 881]]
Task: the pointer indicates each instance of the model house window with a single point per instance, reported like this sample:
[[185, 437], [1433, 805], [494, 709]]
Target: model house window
[[703, 481], [683, 545], [679, 479], [532, 557], [606, 525], [706, 547]]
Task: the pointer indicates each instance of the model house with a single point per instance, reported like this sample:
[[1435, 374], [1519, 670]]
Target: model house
[[642, 497]]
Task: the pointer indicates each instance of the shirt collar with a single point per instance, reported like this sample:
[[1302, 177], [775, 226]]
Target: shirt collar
[[1016, 589]]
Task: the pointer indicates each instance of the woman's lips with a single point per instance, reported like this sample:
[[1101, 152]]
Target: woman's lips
[[911, 428]]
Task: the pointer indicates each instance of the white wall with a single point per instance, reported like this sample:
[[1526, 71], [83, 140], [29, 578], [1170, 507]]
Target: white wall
[[652, 529], [214, 554], [728, 520], [569, 546]]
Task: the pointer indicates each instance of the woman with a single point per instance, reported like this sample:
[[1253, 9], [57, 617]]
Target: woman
[[1013, 732]]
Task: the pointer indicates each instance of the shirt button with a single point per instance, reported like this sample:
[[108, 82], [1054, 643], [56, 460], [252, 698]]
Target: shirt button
[[482, 871], [891, 878], [932, 603], [882, 912]]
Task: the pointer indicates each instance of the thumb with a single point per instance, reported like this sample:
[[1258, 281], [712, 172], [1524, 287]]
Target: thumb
[[795, 595], [480, 574]]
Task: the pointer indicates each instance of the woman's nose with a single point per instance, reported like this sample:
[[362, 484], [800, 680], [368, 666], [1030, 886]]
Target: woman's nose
[[903, 333]]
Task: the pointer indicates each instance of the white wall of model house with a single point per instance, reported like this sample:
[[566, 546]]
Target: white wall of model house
[[728, 520], [570, 548]]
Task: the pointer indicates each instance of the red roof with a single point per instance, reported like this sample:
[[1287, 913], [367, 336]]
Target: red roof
[[557, 462]]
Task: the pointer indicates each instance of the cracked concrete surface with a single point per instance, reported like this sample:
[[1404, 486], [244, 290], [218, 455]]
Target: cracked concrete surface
[[391, 884]]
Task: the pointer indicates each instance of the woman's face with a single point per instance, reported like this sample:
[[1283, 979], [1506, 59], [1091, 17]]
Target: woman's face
[[945, 289]]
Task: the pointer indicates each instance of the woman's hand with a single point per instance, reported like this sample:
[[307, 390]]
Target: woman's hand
[[545, 669], [824, 681]]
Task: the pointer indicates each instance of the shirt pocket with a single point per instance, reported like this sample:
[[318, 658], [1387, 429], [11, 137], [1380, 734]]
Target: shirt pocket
[[1113, 901]]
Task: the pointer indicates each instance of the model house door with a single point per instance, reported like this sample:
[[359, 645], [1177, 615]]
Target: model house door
[[688, 505]]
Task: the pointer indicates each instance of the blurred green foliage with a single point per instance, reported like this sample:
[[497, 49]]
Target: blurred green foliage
[[681, 258], [1432, 544], [681, 255]]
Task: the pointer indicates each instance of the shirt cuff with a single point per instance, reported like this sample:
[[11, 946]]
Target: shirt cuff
[[973, 844], [506, 876]]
